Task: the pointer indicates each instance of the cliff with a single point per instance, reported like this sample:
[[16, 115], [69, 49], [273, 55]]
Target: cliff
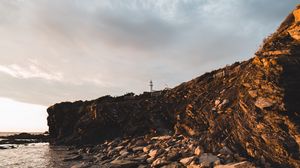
[[251, 107]]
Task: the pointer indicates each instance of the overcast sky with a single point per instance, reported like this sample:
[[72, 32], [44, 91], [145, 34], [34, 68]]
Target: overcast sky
[[65, 50]]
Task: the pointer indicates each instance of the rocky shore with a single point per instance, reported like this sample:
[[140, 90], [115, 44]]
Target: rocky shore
[[243, 114], [22, 138], [165, 151]]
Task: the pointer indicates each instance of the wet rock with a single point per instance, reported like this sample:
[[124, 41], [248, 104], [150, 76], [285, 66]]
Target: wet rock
[[3, 147]]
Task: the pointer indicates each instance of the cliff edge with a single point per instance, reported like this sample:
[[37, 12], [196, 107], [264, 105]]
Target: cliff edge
[[252, 107]]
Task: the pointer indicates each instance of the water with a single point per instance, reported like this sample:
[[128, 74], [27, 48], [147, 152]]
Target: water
[[34, 155]]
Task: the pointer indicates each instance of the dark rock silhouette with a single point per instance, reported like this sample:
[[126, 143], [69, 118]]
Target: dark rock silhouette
[[252, 107]]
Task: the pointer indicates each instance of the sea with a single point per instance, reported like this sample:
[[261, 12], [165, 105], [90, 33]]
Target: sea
[[34, 155]]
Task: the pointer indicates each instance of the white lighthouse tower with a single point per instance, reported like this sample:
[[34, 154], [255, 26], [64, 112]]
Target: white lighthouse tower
[[151, 86]]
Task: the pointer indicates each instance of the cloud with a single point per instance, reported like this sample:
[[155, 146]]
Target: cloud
[[31, 71], [60, 50]]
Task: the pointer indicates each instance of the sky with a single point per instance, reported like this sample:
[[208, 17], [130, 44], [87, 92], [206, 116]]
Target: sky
[[66, 50]]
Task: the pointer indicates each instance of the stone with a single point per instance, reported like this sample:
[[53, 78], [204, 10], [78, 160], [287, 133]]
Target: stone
[[173, 165], [187, 161], [140, 142], [295, 33], [253, 93], [263, 102], [173, 156], [217, 102], [207, 159], [244, 164], [3, 147], [80, 165], [139, 148], [225, 150], [72, 158], [198, 151], [123, 164], [162, 138], [194, 166], [124, 152], [118, 148], [159, 162], [153, 153], [296, 14], [146, 149], [150, 160]]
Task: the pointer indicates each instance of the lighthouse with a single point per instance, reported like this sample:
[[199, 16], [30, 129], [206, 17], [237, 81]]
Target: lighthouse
[[151, 86]]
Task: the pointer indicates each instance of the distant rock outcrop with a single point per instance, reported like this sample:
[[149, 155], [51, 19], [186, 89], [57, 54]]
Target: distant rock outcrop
[[253, 107]]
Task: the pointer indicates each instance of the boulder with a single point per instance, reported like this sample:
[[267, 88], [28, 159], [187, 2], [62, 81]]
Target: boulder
[[244, 164], [263, 102], [208, 159], [123, 164]]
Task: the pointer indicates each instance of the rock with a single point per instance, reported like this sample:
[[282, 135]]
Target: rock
[[207, 159], [224, 103], [173, 156], [81, 165], [295, 33], [253, 93], [150, 160], [72, 158], [263, 102], [244, 164], [140, 142], [194, 166], [159, 162], [173, 165], [225, 150], [139, 148], [3, 147], [153, 153], [296, 14], [198, 151], [123, 152], [161, 138], [187, 161], [217, 102], [146, 149], [123, 164]]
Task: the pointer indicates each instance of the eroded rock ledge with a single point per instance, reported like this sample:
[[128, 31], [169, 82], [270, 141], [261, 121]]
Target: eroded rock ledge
[[252, 108]]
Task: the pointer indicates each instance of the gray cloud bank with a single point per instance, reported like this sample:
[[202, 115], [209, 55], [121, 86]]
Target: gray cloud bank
[[57, 50]]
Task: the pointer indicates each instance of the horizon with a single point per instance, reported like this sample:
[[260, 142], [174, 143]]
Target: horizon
[[118, 48]]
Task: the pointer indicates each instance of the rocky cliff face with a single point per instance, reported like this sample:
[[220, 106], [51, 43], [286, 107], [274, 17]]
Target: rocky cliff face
[[252, 107]]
